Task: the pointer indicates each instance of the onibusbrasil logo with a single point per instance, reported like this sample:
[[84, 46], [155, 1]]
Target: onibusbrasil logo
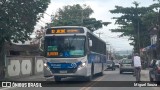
[[21, 84]]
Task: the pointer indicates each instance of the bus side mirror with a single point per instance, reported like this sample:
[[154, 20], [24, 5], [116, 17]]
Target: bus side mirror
[[90, 43]]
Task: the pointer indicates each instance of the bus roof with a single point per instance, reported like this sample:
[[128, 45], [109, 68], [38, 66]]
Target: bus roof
[[67, 27], [78, 27]]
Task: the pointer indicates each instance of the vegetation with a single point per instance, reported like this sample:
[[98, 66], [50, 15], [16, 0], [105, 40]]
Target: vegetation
[[135, 22], [77, 15], [18, 18]]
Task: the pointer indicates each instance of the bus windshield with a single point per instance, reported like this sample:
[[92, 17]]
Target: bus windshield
[[65, 46]]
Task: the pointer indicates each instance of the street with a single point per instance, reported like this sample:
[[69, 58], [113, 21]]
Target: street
[[108, 76]]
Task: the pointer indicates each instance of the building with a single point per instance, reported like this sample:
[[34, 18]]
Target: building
[[22, 50], [152, 51]]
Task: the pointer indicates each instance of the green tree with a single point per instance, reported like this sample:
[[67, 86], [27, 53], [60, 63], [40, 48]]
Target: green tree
[[77, 15], [18, 18], [134, 23]]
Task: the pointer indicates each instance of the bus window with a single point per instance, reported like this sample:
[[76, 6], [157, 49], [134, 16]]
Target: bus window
[[65, 46]]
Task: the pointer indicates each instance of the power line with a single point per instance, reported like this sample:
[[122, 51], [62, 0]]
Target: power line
[[115, 37], [39, 25], [45, 19], [42, 21], [99, 34], [47, 14]]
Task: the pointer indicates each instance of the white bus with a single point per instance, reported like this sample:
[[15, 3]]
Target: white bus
[[73, 51]]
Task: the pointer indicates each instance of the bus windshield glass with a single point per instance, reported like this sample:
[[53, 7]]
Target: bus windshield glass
[[65, 46]]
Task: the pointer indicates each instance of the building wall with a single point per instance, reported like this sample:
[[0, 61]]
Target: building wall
[[23, 66]]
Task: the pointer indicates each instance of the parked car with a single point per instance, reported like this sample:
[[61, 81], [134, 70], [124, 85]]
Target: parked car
[[154, 71], [117, 65], [110, 65], [126, 66]]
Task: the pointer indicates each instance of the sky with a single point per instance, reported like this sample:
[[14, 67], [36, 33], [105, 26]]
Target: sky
[[101, 12]]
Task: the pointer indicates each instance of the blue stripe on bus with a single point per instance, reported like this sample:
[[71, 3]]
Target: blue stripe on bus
[[96, 58], [63, 65]]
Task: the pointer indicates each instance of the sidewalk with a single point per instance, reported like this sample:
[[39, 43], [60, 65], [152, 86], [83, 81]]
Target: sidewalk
[[38, 77], [145, 75]]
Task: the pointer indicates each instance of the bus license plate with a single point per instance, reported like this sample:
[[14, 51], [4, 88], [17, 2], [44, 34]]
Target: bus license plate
[[63, 72]]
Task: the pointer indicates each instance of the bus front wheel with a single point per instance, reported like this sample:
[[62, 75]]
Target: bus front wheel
[[101, 73], [89, 78]]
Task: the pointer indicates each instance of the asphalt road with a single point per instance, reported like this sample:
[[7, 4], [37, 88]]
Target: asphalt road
[[98, 80]]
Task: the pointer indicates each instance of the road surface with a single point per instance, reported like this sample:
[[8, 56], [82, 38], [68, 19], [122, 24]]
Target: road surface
[[108, 76]]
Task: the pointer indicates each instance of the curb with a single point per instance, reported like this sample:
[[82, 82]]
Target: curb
[[25, 78]]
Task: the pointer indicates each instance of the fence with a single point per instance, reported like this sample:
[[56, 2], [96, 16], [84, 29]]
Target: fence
[[23, 66]]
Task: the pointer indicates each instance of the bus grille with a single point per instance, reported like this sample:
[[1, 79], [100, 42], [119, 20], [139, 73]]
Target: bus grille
[[57, 70]]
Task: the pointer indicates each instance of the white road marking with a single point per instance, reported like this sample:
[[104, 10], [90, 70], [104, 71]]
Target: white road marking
[[88, 86], [9, 88]]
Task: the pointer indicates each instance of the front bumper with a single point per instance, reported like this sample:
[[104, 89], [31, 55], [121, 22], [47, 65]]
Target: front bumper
[[82, 71]]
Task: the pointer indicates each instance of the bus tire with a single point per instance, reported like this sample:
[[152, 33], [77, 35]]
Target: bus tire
[[89, 78], [57, 79], [101, 73], [120, 72]]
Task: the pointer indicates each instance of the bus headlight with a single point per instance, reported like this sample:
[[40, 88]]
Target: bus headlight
[[45, 64], [83, 64]]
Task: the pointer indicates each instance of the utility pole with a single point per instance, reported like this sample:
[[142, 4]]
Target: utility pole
[[138, 38], [138, 29], [99, 34], [108, 50], [82, 17], [158, 35], [110, 55], [82, 13]]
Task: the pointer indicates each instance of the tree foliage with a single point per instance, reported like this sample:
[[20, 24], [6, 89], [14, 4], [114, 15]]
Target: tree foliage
[[77, 15], [135, 23], [18, 18]]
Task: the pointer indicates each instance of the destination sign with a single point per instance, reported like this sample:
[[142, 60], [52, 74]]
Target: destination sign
[[64, 30], [52, 54]]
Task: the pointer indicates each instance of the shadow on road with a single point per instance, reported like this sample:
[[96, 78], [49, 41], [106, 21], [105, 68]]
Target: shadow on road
[[71, 82], [127, 73], [109, 70]]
